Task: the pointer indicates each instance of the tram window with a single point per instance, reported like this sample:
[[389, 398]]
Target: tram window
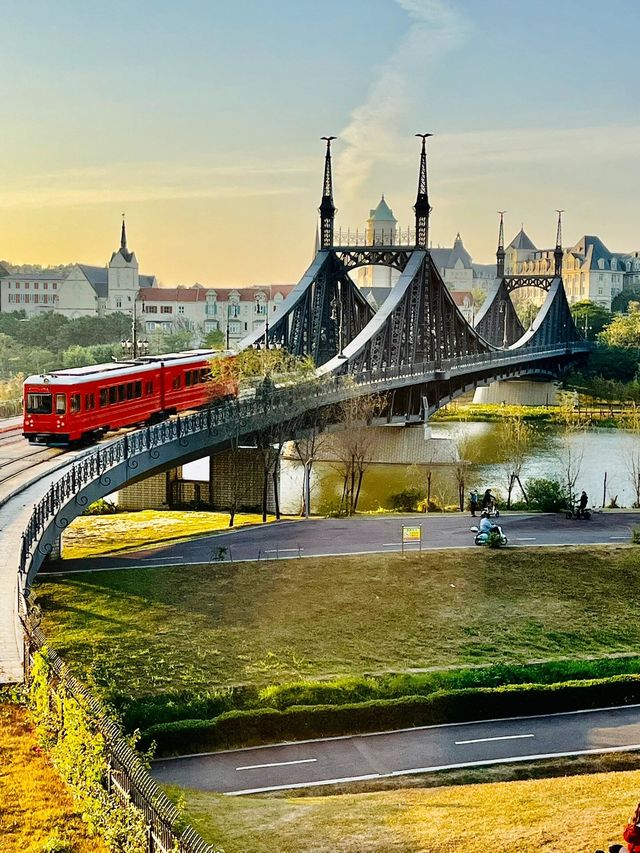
[[204, 374], [177, 382], [122, 393], [61, 404], [148, 388], [113, 394], [129, 390], [104, 397], [39, 404], [137, 389], [75, 404], [89, 402], [187, 378]]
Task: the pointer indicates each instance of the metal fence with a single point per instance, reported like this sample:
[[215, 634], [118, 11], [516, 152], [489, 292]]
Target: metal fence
[[127, 779]]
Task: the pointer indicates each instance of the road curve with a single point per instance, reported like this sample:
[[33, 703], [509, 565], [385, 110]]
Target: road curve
[[403, 753]]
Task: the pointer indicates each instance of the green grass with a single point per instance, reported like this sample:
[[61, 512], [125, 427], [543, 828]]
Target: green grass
[[579, 813], [152, 630]]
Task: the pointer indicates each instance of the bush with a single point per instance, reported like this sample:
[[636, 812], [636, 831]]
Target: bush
[[246, 728], [494, 539], [404, 501], [101, 507], [547, 495], [635, 534]]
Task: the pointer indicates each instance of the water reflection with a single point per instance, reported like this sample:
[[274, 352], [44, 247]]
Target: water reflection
[[595, 452]]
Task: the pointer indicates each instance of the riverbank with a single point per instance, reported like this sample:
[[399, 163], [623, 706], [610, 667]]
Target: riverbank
[[584, 415]]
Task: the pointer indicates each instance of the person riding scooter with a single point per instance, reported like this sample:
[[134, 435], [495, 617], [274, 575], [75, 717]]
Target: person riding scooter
[[486, 525]]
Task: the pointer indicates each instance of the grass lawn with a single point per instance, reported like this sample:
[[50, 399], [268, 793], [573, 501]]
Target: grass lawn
[[562, 815], [35, 805], [151, 630], [93, 535]]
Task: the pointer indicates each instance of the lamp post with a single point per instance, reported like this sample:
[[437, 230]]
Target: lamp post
[[132, 347], [503, 311]]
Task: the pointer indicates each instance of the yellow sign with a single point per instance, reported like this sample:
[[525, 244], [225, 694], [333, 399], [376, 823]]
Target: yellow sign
[[411, 534]]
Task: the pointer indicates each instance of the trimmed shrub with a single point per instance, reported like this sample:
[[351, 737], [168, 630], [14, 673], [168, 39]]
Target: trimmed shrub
[[101, 507], [247, 728], [547, 495], [405, 501]]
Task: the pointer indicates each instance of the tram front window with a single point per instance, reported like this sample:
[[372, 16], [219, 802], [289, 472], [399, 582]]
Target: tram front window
[[39, 404]]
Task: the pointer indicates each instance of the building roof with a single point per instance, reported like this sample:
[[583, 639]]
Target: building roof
[[198, 293], [462, 296], [445, 258], [382, 212], [3, 271], [98, 278], [522, 241], [45, 275]]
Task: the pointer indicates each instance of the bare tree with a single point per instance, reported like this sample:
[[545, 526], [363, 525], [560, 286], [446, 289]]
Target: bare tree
[[570, 455], [460, 458], [307, 449], [516, 437], [632, 455], [355, 445]]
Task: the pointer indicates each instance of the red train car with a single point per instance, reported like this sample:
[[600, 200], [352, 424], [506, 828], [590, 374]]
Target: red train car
[[82, 403]]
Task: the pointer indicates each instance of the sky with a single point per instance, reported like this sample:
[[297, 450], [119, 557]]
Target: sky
[[201, 120]]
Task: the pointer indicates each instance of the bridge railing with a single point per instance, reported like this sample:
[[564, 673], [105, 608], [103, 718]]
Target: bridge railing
[[251, 412]]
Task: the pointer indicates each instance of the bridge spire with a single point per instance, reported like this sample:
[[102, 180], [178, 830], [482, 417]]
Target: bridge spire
[[500, 253], [422, 207], [327, 208], [123, 235], [557, 253]]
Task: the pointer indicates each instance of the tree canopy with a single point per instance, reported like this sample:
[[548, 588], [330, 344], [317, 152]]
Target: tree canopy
[[623, 331], [590, 318]]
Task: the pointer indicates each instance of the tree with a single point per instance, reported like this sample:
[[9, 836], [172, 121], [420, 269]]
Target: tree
[[214, 339], [77, 356], [355, 445], [461, 447], [590, 318], [621, 302], [307, 448], [515, 437], [526, 309], [623, 331], [249, 366], [571, 450], [632, 423]]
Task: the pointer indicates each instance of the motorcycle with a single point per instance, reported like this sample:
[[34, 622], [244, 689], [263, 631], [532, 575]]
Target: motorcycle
[[483, 538], [577, 512]]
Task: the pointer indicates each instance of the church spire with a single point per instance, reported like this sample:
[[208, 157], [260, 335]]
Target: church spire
[[422, 207], [123, 236], [327, 208], [557, 253], [500, 253]]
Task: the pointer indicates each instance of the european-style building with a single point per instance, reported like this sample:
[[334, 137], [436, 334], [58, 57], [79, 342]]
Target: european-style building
[[589, 270]]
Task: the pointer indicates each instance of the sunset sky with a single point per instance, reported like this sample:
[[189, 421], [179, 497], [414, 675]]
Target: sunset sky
[[201, 119]]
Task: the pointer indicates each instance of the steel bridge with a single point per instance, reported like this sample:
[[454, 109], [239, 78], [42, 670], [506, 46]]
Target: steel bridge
[[417, 351]]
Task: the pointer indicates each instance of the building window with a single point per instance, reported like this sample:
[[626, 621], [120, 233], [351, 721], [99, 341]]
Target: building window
[[35, 285], [17, 285], [166, 309], [54, 286], [45, 286], [151, 309], [211, 308], [26, 285], [234, 309], [118, 303], [180, 309]]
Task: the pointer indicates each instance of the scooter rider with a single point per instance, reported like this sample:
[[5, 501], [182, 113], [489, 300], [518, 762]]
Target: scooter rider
[[486, 526]]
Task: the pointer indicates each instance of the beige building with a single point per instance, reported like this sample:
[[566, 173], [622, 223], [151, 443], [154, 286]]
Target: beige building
[[589, 270], [234, 311]]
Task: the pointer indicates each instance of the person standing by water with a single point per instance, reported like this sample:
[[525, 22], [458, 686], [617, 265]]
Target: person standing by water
[[473, 502]]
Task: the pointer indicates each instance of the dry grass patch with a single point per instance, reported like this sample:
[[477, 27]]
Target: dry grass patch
[[35, 805], [579, 813], [94, 535]]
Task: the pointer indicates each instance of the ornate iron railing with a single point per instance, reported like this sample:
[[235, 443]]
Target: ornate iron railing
[[127, 779]]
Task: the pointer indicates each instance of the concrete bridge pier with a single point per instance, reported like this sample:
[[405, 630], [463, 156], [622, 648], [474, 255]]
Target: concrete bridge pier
[[518, 392]]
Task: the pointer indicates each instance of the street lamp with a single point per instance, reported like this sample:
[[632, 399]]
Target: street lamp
[[503, 311]]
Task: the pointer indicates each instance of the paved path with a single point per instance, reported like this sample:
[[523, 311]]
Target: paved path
[[369, 534], [404, 753]]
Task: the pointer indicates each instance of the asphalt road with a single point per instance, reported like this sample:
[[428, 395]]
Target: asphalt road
[[368, 534], [404, 753]]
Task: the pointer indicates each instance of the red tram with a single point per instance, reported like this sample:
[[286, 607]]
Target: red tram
[[81, 403]]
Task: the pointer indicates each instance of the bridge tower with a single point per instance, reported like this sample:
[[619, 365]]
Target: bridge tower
[[327, 208], [557, 252], [422, 207], [500, 253]]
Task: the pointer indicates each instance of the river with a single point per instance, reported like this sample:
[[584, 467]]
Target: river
[[596, 452]]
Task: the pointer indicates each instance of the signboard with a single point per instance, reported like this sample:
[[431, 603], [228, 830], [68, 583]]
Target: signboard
[[411, 534]]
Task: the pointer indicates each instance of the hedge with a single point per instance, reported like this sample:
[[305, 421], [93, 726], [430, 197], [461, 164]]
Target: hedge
[[143, 712], [264, 725]]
